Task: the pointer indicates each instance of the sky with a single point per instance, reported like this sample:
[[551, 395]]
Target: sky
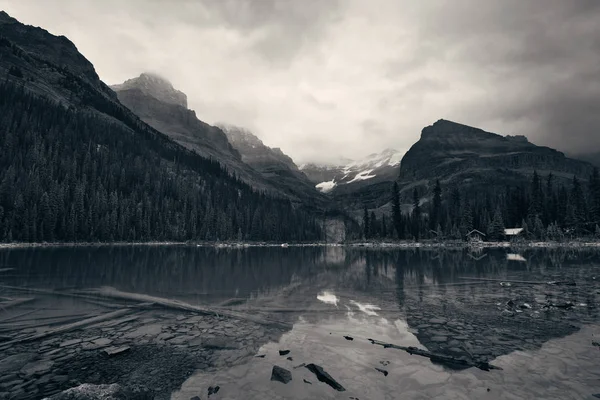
[[331, 79]]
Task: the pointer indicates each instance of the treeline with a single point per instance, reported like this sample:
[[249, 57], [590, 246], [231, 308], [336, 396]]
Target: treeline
[[70, 175], [544, 208]]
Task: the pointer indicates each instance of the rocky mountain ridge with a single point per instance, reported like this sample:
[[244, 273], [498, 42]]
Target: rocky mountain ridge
[[157, 103], [461, 155], [155, 86], [372, 168], [275, 166]]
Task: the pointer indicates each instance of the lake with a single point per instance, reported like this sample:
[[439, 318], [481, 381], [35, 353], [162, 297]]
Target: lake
[[181, 321]]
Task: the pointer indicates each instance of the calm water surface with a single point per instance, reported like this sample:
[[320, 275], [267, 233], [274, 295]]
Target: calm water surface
[[488, 305]]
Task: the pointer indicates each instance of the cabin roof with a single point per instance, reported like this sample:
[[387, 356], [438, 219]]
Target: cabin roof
[[513, 231], [475, 231]]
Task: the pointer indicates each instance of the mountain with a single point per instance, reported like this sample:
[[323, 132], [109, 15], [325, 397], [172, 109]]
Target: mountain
[[77, 165], [357, 183], [156, 102], [275, 166], [471, 158], [155, 86]]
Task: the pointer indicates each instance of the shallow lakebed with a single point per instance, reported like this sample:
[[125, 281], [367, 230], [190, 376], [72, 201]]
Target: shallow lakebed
[[176, 322]]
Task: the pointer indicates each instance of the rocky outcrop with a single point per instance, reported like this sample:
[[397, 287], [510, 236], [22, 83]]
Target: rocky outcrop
[[475, 160], [154, 100], [447, 148], [155, 86], [276, 167], [51, 64]]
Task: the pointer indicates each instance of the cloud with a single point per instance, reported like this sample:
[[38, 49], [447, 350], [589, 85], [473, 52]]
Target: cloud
[[346, 78]]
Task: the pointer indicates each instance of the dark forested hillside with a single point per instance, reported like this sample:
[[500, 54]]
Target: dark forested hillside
[[544, 207], [76, 165], [67, 174]]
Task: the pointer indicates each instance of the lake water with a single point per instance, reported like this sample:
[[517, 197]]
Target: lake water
[[532, 313]]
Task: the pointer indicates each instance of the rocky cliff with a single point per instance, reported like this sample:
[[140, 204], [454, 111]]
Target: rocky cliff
[[155, 86], [275, 166], [156, 102], [461, 155]]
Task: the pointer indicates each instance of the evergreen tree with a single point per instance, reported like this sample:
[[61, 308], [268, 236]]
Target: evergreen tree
[[416, 215], [396, 213], [496, 228], [436, 209], [373, 225], [366, 227]]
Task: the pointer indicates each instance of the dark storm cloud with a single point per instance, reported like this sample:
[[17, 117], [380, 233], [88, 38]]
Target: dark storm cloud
[[323, 79], [548, 53]]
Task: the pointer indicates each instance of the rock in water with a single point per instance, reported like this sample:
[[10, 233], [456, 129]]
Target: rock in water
[[348, 338], [284, 352], [115, 351], [103, 392], [213, 390], [323, 376], [280, 374], [383, 371]]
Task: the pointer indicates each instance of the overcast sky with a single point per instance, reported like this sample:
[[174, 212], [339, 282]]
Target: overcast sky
[[324, 79]]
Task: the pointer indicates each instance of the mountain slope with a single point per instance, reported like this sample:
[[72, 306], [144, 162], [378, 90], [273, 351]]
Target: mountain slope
[[76, 165], [474, 160], [356, 184], [157, 103], [277, 168]]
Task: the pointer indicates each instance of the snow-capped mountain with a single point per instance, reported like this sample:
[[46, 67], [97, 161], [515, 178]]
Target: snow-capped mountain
[[375, 168]]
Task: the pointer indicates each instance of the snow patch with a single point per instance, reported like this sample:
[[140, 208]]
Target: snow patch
[[395, 159], [362, 176], [327, 186]]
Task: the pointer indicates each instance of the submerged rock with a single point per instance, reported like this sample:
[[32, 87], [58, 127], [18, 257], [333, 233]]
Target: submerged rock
[[383, 371], [280, 374], [103, 392], [213, 390], [115, 351], [323, 376]]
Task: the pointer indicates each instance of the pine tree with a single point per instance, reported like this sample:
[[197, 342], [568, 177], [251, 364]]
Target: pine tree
[[373, 225], [436, 209], [366, 226], [396, 213], [496, 228], [416, 215]]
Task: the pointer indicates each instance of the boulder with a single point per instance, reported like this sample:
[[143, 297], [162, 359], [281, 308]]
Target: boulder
[[323, 376], [280, 374]]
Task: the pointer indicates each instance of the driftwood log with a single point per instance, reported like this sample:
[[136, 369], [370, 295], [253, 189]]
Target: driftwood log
[[449, 361], [113, 293]]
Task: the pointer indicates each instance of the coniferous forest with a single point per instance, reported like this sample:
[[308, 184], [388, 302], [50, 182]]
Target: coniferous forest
[[70, 175], [545, 209]]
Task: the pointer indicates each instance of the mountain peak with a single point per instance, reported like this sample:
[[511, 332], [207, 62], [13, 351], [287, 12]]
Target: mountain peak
[[443, 127], [156, 86]]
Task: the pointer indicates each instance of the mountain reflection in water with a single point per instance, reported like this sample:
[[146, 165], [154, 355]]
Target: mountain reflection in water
[[478, 305]]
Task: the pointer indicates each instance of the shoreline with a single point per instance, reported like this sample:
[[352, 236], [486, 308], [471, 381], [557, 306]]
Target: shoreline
[[386, 245]]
